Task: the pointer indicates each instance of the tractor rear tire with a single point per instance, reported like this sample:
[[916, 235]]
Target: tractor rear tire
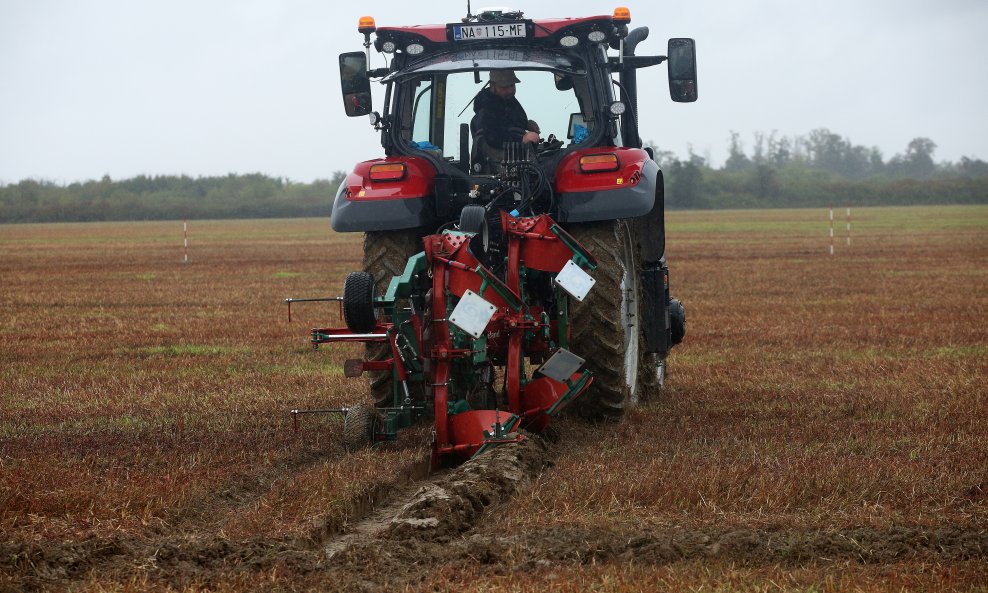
[[358, 302], [604, 328], [360, 425], [385, 255]]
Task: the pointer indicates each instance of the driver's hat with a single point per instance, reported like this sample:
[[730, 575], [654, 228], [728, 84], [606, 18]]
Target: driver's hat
[[503, 78]]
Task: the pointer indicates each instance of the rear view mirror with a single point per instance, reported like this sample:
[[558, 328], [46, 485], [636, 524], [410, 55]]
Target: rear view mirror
[[355, 84], [682, 70]]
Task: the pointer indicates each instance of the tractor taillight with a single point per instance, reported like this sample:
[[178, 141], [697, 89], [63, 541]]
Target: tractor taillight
[[387, 172], [598, 163]]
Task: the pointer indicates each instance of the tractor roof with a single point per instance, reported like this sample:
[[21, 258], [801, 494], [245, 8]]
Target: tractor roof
[[543, 27], [567, 32]]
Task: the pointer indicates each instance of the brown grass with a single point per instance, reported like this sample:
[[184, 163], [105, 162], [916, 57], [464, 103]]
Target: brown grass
[[810, 391], [142, 398], [141, 395]]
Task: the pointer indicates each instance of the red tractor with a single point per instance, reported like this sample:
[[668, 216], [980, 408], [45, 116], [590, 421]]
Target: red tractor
[[505, 280]]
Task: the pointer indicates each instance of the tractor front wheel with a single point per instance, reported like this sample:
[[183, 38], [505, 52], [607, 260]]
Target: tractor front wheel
[[604, 327]]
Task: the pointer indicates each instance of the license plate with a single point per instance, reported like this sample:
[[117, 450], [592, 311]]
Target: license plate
[[500, 31]]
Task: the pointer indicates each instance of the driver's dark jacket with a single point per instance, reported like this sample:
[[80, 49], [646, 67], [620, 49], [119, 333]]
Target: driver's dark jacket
[[498, 119]]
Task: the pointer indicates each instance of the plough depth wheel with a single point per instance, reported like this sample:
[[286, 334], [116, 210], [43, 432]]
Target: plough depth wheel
[[358, 302], [360, 427]]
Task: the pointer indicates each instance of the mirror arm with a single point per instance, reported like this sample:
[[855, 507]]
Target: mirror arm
[[378, 72], [634, 62]]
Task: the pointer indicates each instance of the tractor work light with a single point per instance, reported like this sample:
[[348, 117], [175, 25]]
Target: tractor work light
[[621, 15], [366, 25], [569, 41], [387, 172], [617, 108], [598, 163], [596, 36], [415, 49], [388, 47]]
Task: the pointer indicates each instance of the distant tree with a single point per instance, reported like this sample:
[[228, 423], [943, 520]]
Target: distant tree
[[695, 159], [758, 155], [919, 155], [737, 160], [685, 183], [780, 153], [973, 167], [765, 183], [338, 178], [876, 166], [827, 151], [917, 162]]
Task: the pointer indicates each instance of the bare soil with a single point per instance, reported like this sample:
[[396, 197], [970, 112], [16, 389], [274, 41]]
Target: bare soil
[[400, 538], [822, 427]]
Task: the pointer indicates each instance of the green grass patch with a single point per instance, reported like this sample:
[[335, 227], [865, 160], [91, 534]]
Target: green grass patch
[[189, 350], [315, 368], [961, 351]]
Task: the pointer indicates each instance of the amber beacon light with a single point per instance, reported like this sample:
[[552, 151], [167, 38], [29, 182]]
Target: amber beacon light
[[366, 25], [621, 15]]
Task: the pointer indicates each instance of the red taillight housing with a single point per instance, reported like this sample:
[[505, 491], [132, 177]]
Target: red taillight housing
[[387, 172], [599, 163]]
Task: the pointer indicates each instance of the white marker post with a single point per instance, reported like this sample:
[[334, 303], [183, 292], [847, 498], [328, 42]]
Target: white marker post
[[831, 231], [185, 241], [849, 225]]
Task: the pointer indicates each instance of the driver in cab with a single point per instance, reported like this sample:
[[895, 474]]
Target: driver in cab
[[500, 118]]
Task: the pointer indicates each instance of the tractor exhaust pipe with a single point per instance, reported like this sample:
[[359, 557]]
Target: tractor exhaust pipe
[[629, 80]]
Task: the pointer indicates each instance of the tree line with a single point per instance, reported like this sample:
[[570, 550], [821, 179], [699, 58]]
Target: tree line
[[817, 169], [168, 197], [814, 170]]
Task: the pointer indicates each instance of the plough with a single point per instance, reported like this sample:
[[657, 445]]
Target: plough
[[454, 328]]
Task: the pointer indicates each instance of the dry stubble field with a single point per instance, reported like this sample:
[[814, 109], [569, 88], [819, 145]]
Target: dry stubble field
[[823, 428]]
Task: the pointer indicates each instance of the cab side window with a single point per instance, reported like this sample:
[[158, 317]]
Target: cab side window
[[421, 110]]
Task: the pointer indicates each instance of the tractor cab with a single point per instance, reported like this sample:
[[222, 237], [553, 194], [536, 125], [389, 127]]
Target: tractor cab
[[580, 101]]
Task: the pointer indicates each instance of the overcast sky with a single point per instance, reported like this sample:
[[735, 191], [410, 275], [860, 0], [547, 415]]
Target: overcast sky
[[202, 87]]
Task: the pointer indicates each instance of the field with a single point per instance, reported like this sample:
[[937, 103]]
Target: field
[[823, 426]]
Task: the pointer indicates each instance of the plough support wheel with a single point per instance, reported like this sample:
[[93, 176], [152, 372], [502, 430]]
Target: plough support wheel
[[358, 302], [360, 426]]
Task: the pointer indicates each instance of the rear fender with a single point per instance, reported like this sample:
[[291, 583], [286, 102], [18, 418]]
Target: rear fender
[[628, 192], [365, 205]]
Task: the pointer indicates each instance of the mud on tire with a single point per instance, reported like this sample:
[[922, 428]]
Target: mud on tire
[[385, 255], [604, 328]]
